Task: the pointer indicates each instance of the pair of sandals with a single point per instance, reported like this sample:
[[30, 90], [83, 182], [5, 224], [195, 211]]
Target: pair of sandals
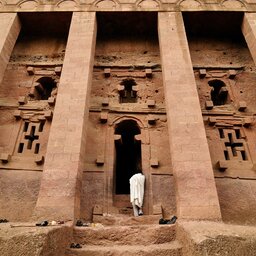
[[3, 221], [75, 246], [166, 221], [80, 223], [46, 223], [42, 224]]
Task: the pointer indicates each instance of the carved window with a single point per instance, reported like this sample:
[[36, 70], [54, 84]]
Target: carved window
[[128, 94], [44, 88], [233, 144], [219, 92], [30, 138]]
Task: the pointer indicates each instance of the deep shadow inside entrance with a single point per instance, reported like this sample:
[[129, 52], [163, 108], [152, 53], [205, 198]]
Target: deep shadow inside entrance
[[219, 92], [128, 155]]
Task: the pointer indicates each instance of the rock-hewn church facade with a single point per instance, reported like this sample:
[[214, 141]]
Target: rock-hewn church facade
[[91, 91]]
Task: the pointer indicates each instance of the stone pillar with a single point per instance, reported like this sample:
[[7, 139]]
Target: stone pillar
[[59, 196], [9, 31], [249, 31], [196, 194]]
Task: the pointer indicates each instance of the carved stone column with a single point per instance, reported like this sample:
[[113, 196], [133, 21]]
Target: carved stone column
[[10, 29], [59, 195], [196, 193], [249, 32]]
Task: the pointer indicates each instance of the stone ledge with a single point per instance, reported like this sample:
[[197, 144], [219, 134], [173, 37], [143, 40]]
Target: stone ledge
[[34, 240], [123, 5], [206, 238]]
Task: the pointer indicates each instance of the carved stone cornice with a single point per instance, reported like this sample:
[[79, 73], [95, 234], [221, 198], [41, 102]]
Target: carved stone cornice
[[126, 5]]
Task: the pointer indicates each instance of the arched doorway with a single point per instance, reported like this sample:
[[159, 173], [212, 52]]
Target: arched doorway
[[128, 155]]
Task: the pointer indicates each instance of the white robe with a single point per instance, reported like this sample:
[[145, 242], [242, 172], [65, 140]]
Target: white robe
[[137, 189]]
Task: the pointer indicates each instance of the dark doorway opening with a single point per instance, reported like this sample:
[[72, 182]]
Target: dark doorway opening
[[128, 155]]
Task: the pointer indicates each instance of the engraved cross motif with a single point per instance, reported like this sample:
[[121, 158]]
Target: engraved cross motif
[[233, 144], [31, 137], [30, 142]]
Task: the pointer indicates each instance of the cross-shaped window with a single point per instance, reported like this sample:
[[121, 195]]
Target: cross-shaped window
[[234, 146], [30, 141], [31, 137]]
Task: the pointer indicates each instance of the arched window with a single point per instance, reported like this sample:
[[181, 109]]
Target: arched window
[[44, 87], [128, 155], [219, 92], [128, 94]]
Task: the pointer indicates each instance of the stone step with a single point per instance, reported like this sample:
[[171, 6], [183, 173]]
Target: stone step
[[125, 220], [171, 249], [122, 201], [125, 235]]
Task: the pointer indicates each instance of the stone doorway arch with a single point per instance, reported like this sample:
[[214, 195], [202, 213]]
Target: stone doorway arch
[[138, 136], [128, 154]]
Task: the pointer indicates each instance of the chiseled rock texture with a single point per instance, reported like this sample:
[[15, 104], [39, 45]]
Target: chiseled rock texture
[[34, 241], [213, 238]]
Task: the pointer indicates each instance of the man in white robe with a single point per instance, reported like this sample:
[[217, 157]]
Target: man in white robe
[[137, 182]]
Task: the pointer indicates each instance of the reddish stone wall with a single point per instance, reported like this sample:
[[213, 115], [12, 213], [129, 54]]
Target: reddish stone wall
[[195, 187], [75, 167], [19, 190], [237, 200], [99, 180], [127, 56], [223, 56], [25, 118], [10, 30], [59, 195]]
